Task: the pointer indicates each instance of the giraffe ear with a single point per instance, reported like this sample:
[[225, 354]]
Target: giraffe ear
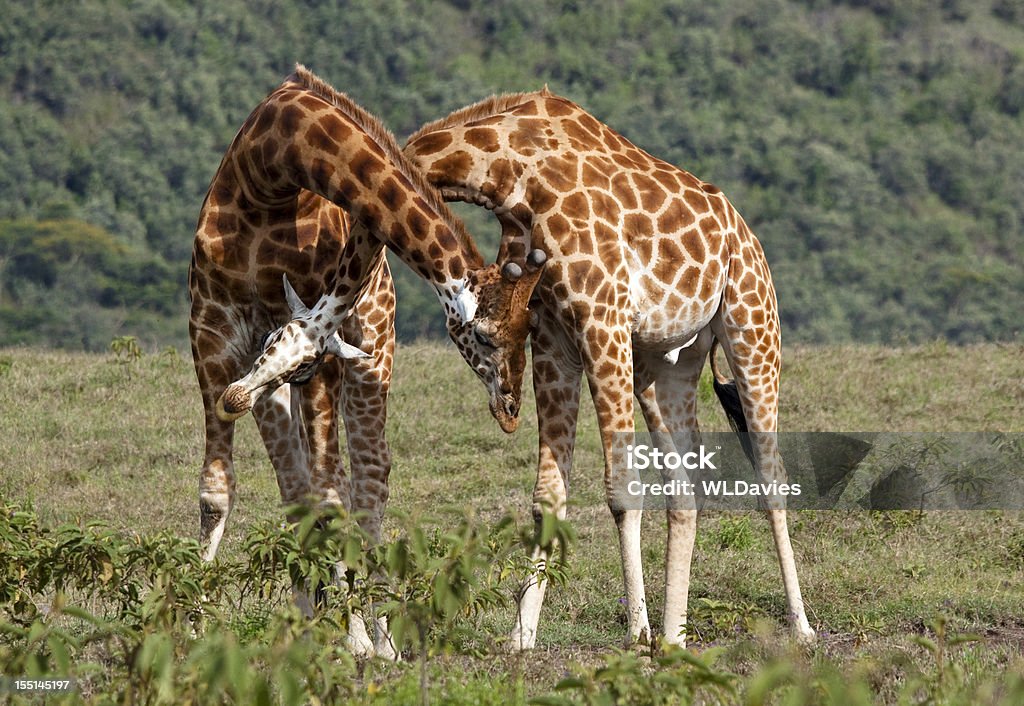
[[294, 303], [340, 349]]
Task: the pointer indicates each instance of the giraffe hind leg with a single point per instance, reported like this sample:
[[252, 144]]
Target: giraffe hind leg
[[754, 354], [729, 397], [666, 391], [365, 386]]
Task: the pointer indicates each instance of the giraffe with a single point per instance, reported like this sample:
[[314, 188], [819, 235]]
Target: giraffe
[[233, 301], [307, 135], [648, 266], [242, 249]]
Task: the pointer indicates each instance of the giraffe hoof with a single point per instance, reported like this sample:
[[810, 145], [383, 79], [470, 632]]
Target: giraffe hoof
[[521, 640], [233, 404], [805, 637]]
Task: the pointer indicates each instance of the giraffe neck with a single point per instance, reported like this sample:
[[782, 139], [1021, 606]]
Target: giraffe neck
[[307, 136], [494, 153], [362, 252]]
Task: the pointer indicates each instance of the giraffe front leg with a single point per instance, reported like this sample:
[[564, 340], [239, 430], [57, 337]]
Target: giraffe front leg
[[279, 417], [611, 387], [216, 491], [556, 384], [771, 468], [328, 482], [217, 478], [216, 500]]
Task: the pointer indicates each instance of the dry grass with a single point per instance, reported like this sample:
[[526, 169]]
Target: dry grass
[[87, 437]]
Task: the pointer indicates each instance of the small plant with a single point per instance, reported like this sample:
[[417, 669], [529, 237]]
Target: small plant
[[735, 533], [126, 348], [710, 619], [126, 351], [676, 677], [169, 357], [863, 626], [914, 570], [948, 676]]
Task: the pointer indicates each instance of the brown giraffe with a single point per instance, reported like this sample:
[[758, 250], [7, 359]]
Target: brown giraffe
[[243, 247], [648, 266], [235, 300], [275, 208], [306, 135]]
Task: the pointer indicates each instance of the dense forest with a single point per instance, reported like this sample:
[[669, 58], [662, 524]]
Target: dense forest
[[875, 146]]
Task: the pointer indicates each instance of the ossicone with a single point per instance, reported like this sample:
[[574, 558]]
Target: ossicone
[[512, 272], [536, 259]]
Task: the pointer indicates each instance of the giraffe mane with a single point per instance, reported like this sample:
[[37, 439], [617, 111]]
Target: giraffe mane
[[481, 109], [384, 138]]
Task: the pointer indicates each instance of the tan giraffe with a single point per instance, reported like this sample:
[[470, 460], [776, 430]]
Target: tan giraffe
[[648, 266], [243, 247], [306, 135]]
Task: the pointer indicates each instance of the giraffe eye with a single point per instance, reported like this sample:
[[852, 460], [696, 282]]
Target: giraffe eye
[[263, 341], [482, 339]]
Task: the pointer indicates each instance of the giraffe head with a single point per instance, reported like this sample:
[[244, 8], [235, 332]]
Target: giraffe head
[[290, 354], [492, 339], [488, 319]]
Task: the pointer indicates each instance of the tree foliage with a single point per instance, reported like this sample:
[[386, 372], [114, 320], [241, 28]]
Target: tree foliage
[[873, 145]]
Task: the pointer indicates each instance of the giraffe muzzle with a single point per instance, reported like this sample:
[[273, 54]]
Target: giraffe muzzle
[[506, 412], [234, 403]]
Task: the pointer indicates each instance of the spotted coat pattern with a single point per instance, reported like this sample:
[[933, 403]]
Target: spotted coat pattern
[[306, 133], [648, 265]]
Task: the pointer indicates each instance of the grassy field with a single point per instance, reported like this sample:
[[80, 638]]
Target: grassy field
[[89, 437]]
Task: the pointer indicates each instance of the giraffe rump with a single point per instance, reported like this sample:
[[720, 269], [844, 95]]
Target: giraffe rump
[[729, 397], [386, 140]]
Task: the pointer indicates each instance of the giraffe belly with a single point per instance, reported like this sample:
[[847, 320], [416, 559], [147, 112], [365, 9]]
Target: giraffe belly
[[670, 311], [653, 334], [666, 327]]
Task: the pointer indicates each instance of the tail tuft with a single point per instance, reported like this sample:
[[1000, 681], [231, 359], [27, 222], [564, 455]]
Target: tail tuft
[[729, 397]]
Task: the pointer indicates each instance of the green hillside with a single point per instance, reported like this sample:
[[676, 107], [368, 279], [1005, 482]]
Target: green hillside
[[873, 145]]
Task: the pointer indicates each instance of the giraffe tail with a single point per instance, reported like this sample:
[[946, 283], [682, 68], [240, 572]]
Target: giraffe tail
[[729, 397]]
